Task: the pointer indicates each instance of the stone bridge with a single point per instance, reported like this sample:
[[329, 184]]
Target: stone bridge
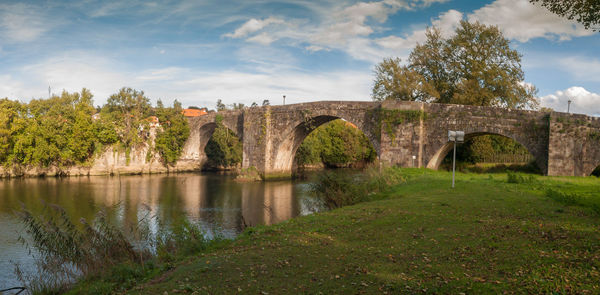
[[562, 144]]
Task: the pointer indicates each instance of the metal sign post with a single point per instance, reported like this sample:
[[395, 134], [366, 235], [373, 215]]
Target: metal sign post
[[455, 136]]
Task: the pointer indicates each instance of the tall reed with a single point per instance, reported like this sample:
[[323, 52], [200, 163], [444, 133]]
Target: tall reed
[[333, 189], [65, 252]]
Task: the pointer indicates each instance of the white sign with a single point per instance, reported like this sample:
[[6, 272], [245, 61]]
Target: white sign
[[458, 136]]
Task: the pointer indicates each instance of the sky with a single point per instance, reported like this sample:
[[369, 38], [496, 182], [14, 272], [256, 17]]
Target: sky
[[247, 51]]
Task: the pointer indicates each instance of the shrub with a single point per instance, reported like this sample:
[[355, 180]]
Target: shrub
[[519, 178], [179, 239], [333, 190]]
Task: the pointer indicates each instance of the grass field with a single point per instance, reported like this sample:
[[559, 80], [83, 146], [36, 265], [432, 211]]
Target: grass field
[[484, 236]]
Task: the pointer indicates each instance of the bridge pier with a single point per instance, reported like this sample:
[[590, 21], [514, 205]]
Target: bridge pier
[[573, 144]]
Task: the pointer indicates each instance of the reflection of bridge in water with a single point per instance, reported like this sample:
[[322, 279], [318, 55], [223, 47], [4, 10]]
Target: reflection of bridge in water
[[217, 201], [562, 144]]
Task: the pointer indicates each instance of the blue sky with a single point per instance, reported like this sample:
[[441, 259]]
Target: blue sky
[[245, 51]]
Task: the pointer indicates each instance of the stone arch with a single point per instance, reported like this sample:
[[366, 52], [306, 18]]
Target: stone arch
[[203, 133], [594, 166], [446, 147], [596, 169], [292, 138]]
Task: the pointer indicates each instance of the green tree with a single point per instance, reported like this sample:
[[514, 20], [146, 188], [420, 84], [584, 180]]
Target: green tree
[[395, 81], [128, 110], [83, 139], [57, 130], [10, 111], [220, 105], [336, 144], [63, 130], [173, 133], [586, 12], [224, 148], [476, 66]]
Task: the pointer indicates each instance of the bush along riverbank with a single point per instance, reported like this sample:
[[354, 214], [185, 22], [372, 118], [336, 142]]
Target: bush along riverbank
[[411, 233]]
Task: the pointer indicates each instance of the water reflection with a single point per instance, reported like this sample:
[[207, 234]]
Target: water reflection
[[215, 201]]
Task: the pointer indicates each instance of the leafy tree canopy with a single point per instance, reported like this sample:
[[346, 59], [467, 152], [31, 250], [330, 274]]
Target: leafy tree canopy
[[174, 132], [586, 12], [476, 66], [335, 144], [224, 149], [64, 130]]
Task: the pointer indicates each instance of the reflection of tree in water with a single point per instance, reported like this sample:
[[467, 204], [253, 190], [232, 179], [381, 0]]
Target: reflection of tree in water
[[70, 193], [221, 202], [215, 201], [267, 203]]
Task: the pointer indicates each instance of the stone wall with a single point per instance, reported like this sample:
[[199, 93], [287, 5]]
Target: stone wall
[[400, 131], [280, 130], [574, 144], [528, 128], [111, 162]]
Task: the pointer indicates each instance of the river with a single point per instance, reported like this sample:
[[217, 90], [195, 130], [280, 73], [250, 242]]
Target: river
[[216, 202]]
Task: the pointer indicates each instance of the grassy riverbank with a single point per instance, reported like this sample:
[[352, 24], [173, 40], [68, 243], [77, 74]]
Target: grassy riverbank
[[485, 236]]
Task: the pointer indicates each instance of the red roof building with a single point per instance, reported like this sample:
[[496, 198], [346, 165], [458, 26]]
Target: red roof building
[[194, 112]]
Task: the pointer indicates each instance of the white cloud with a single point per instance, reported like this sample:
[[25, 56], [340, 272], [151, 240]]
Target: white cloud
[[582, 101], [360, 11], [23, 23], [73, 71], [10, 87], [234, 86], [401, 46], [521, 20], [447, 22], [581, 68], [253, 25], [343, 27], [427, 3], [102, 76], [262, 38]]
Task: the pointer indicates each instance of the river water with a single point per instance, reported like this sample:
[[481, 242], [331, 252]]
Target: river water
[[214, 201]]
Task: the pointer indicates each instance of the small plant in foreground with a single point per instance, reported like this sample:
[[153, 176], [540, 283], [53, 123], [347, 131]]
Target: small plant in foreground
[[66, 251], [519, 178], [333, 190], [179, 239], [572, 199]]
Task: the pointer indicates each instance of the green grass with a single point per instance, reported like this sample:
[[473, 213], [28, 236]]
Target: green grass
[[485, 236]]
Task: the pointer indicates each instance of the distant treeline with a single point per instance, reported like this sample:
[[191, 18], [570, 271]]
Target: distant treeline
[[68, 130]]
